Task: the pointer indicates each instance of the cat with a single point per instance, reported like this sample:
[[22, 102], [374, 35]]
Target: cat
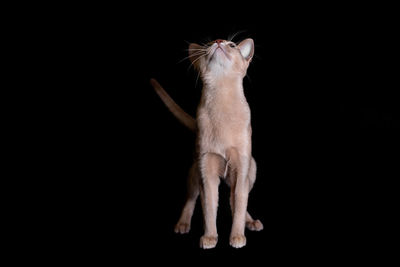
[[223, 143]]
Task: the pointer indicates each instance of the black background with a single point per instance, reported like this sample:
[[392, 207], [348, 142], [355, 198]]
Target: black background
[[323, 116]]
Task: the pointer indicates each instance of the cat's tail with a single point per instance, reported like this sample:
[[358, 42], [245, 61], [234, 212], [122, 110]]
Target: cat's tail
[[182, 116]]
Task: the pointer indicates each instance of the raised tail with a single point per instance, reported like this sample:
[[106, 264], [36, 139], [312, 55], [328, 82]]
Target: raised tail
[[182, 116]]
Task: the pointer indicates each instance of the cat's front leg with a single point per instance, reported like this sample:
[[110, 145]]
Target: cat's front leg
[[211, 166]]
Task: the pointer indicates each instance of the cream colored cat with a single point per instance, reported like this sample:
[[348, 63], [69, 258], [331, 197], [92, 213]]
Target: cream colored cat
[[223, 144]]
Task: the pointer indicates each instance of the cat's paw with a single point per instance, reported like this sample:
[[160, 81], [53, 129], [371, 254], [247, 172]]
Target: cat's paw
[[254, 225], [182, 228], [207, 242], [237, 241]]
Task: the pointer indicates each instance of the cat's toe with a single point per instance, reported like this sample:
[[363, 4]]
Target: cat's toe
[[255, 225], [237, 241], [182, 228], [207, 242]]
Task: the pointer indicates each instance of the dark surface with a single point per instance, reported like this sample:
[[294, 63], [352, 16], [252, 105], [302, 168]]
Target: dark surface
[[320, 95]]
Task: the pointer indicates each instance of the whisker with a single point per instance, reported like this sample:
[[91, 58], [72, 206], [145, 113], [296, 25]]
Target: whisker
[[195, 49], [198, 53], [197, 78], [197, 59], [194, 54], [207, 41], [207, 45], [230, 38]]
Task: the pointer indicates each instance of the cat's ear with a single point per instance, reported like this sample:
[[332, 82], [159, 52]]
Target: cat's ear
[[246, 48], [195, 52]]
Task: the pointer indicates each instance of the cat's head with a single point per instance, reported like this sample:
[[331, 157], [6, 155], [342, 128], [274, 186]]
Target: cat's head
[[222, 57]]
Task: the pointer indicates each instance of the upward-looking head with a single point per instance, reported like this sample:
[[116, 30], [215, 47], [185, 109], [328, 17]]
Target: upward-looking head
[[222, 58]]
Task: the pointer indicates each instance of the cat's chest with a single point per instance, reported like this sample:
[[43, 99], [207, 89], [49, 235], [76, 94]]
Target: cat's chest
[[221, 126]]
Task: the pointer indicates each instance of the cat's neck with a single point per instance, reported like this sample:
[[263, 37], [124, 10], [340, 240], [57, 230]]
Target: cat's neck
[[225, 87]]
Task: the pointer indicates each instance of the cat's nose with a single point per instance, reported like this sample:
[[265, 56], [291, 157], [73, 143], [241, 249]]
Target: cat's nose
[[218, 41]]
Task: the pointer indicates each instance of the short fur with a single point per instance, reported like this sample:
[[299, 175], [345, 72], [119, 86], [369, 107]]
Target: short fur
[[223, 143]]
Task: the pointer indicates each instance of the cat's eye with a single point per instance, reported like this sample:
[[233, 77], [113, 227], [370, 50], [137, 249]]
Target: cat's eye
[[232, 45]]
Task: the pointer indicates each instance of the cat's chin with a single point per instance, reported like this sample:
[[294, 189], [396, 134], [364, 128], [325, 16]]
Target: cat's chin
[[221, 53], [218, 60]]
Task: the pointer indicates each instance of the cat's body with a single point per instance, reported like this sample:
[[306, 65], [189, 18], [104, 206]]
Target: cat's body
[[223, 143]]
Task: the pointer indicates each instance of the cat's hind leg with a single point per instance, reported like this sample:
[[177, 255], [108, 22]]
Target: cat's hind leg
[[251, 224], [183, 225]]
